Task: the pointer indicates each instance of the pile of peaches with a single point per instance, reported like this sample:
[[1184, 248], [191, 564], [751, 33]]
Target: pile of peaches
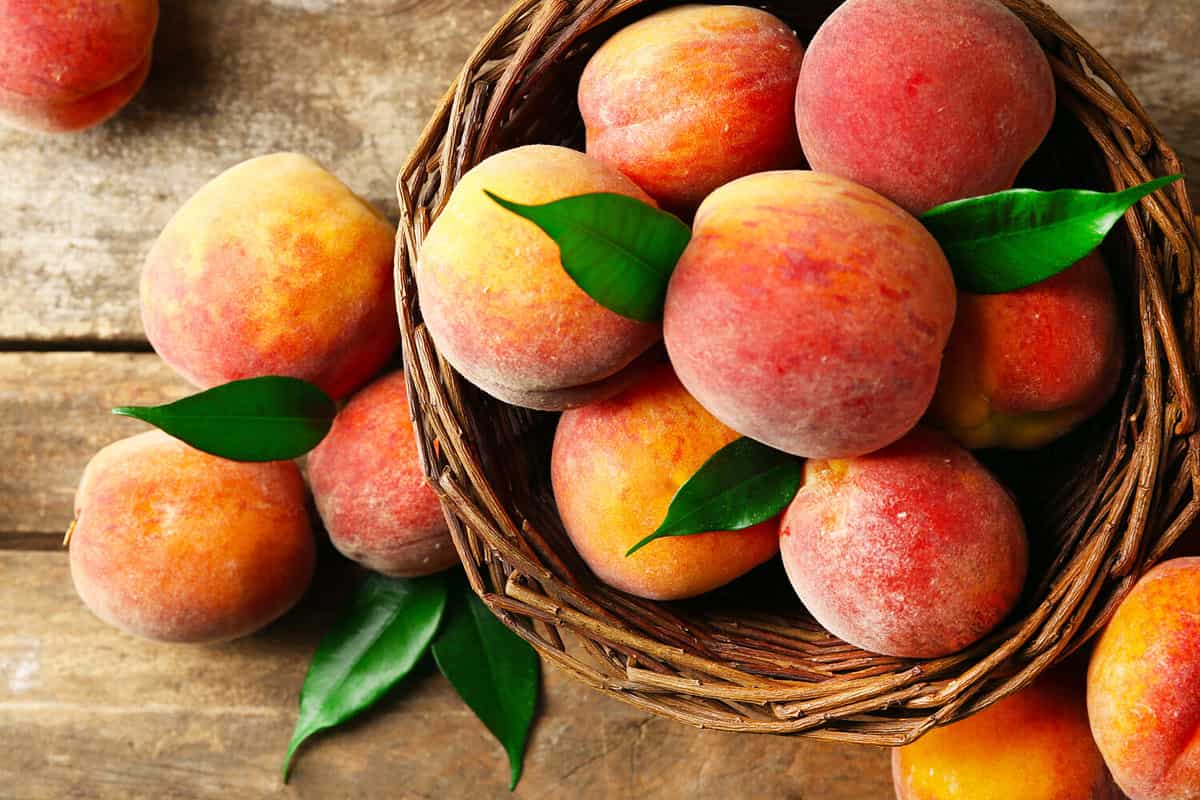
[[811, 311]]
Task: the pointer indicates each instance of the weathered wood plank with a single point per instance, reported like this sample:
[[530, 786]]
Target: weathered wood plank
[[88, 712], [1155, 45], [54, 415], [351, 84]]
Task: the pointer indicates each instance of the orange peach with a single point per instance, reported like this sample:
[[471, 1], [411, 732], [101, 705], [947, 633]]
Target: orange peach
[[913, 551], [924, 101], [616, 467], [1032, 745], [809, 313], [173, 544], [66, 65], [1142, 699], [370, 491], [1025, 367], [693, 97], [496, 299], [273, 268]]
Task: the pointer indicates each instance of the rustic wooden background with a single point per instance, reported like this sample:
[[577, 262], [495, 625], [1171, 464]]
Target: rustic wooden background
[[88, 712]]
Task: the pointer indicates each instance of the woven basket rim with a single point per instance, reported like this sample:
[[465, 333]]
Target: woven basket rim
[[1143, 497]]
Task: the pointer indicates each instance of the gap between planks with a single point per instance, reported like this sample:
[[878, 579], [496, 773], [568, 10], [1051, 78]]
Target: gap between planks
[[72, 345]]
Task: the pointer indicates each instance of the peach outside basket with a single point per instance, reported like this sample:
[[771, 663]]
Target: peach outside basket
[[1101, 505]]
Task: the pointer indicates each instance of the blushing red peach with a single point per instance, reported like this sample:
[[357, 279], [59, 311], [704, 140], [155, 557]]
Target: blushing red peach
[[66, 65], [1032, 745], [616, 466], [273, 268], [1025, 367], [1142, 700], [496, 299], [809, 313], [912, 551], [693, 97], [177, 545], [924, 101], [370, 491]]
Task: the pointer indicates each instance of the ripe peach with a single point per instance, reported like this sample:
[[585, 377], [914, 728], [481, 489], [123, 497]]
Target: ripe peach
[[693, 97], [809, 313], [913, 551], [924, 102], [1032, 745], [71, 64], [174, 544], [370, 490], [1023, 368], [496, 299], [616, 467], [1142, 681], [273, 268]]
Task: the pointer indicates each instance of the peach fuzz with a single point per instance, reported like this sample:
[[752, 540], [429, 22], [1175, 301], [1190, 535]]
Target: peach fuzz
[[913, 551], [809, 313], [66, 65], [1025, 367], [615, 468], [173, 544], [370, 491], [273, 268], [1032, 745], [693, 97], [496, 299], [1141, 695], [924, 101]]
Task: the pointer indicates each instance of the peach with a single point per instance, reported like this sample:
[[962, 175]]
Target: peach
[[66, 65], [496, 299], [370, 491], [1023, 368], [273, 268], [1032, 745], [809, 313], [615, 468], [1142, 680], [173, 544], [924, 101], [693, 97], [913, 551]]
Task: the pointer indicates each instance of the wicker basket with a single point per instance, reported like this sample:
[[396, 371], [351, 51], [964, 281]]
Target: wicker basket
[[1101, 505]]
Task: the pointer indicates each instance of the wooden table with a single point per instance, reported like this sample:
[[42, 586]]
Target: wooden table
[[88, 712]]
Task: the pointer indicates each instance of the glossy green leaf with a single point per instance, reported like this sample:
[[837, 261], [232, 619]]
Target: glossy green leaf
[[619, 250], [258, 419], [493, 670], [742, 484], [381, 637], [1006, 241]]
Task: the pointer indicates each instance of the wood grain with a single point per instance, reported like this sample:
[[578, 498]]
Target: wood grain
[[54, 415], [350, 84], [1155, 44], [89, 712]]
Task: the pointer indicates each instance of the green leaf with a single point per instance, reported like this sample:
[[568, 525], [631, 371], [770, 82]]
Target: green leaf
[[376, 643], [742, 484], [259, 419], [1006, 241], [619, 250], [493, 670]]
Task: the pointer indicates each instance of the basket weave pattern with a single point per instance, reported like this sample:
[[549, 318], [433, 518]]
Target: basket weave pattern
[[1117, 499]]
